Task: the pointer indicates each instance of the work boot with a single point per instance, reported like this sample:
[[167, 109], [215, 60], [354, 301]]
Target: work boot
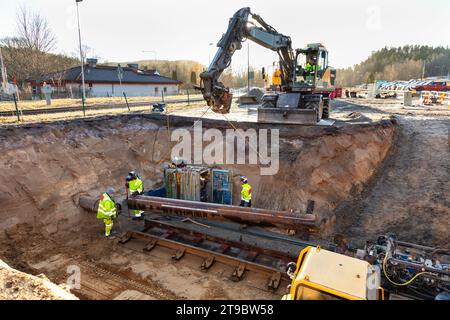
[[110, 237]]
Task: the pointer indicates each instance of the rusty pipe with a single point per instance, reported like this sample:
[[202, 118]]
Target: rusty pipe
[[88, 203], [213, 211]]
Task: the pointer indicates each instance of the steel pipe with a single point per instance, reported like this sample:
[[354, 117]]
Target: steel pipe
[[88, 203], [213, 211]]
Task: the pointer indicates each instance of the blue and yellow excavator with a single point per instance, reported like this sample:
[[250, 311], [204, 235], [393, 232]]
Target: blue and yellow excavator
[[306, 80]]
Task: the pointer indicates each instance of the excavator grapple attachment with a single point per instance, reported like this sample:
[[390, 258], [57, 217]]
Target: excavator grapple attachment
[[222, 103]]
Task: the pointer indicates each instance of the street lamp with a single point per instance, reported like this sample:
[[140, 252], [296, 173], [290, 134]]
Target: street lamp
[[209, 52], [83, 100]]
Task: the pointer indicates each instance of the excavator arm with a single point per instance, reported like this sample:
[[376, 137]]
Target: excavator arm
[[240, 28]]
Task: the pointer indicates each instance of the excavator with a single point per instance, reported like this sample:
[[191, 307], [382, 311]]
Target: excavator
[[306, 79]]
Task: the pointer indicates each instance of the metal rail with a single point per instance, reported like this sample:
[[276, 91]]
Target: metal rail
[[266, 235], [28, 112], [282, 256], [241, 256]]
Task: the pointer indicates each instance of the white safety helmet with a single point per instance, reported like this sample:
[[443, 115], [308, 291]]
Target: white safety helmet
[[110, 190], [177, 161]]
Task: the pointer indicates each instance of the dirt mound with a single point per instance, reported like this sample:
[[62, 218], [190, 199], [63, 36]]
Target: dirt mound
[[16, 285], [410, 195]]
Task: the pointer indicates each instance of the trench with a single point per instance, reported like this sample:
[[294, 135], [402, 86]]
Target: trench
[[46, 167]]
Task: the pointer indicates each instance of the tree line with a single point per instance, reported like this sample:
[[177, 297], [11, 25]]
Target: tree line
[[398, 63], [189, 72], [185, 71]]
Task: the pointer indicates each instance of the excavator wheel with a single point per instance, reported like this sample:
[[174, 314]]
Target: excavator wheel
[[317, 105], [269, 101], [326, 109]]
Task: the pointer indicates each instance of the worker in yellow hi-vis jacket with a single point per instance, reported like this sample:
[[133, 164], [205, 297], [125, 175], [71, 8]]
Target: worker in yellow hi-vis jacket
[[246, 193], [136, 187], [107, 211]]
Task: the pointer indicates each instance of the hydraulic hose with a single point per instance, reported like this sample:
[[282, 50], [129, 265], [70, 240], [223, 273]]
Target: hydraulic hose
[[396, 283]]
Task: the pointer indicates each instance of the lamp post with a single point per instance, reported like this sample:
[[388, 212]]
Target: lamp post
[[209, 53], [83, 99], [248, 68]]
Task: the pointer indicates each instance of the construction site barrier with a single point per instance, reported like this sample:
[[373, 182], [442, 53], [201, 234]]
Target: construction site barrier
[[435, 98]]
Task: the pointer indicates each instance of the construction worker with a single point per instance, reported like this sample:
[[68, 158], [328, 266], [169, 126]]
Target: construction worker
[[311, 67], [246, 193], [107, 211], [136, 187]]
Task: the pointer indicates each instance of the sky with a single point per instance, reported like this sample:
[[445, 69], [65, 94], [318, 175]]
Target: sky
[[173, 30]]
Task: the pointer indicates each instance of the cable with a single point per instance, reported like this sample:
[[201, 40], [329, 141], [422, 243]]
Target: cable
[[168, 132], [396, 283], [250, 145]]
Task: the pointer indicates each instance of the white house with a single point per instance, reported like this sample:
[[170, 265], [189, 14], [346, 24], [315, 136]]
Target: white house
[[110, 81]]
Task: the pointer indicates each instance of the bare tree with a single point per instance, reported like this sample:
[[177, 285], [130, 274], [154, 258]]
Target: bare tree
[[87, 52], [34, 31]]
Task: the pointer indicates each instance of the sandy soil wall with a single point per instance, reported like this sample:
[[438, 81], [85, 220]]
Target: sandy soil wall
[[44, 168]]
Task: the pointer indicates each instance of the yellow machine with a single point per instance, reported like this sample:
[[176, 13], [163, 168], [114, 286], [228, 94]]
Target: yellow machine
[[324, 275]]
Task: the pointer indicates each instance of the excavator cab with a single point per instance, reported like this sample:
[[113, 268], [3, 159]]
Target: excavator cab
[[312, 70]]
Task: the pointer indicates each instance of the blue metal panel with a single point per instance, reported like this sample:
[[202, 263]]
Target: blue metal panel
[[222, 186]]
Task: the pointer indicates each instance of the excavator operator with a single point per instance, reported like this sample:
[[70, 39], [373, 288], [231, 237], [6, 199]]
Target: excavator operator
[[311, 67]]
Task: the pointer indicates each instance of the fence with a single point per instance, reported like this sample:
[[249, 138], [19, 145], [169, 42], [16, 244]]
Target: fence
[[67, 94], [13, 110]]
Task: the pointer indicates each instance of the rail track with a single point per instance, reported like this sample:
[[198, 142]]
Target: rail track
[[242, 257], [29, 112]]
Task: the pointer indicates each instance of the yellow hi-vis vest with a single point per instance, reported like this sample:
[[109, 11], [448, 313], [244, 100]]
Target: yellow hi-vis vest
[[310, 68], [246, 193], [106, 208], [136, 185], [276, 78]]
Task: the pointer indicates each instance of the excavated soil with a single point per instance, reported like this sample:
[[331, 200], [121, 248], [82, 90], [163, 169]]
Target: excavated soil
[[16, 285], [45, 167], [409, 196]]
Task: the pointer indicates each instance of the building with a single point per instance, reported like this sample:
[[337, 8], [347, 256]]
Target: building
[[103, 81]]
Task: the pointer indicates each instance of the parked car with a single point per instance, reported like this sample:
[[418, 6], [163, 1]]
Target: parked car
[[433, 86]]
